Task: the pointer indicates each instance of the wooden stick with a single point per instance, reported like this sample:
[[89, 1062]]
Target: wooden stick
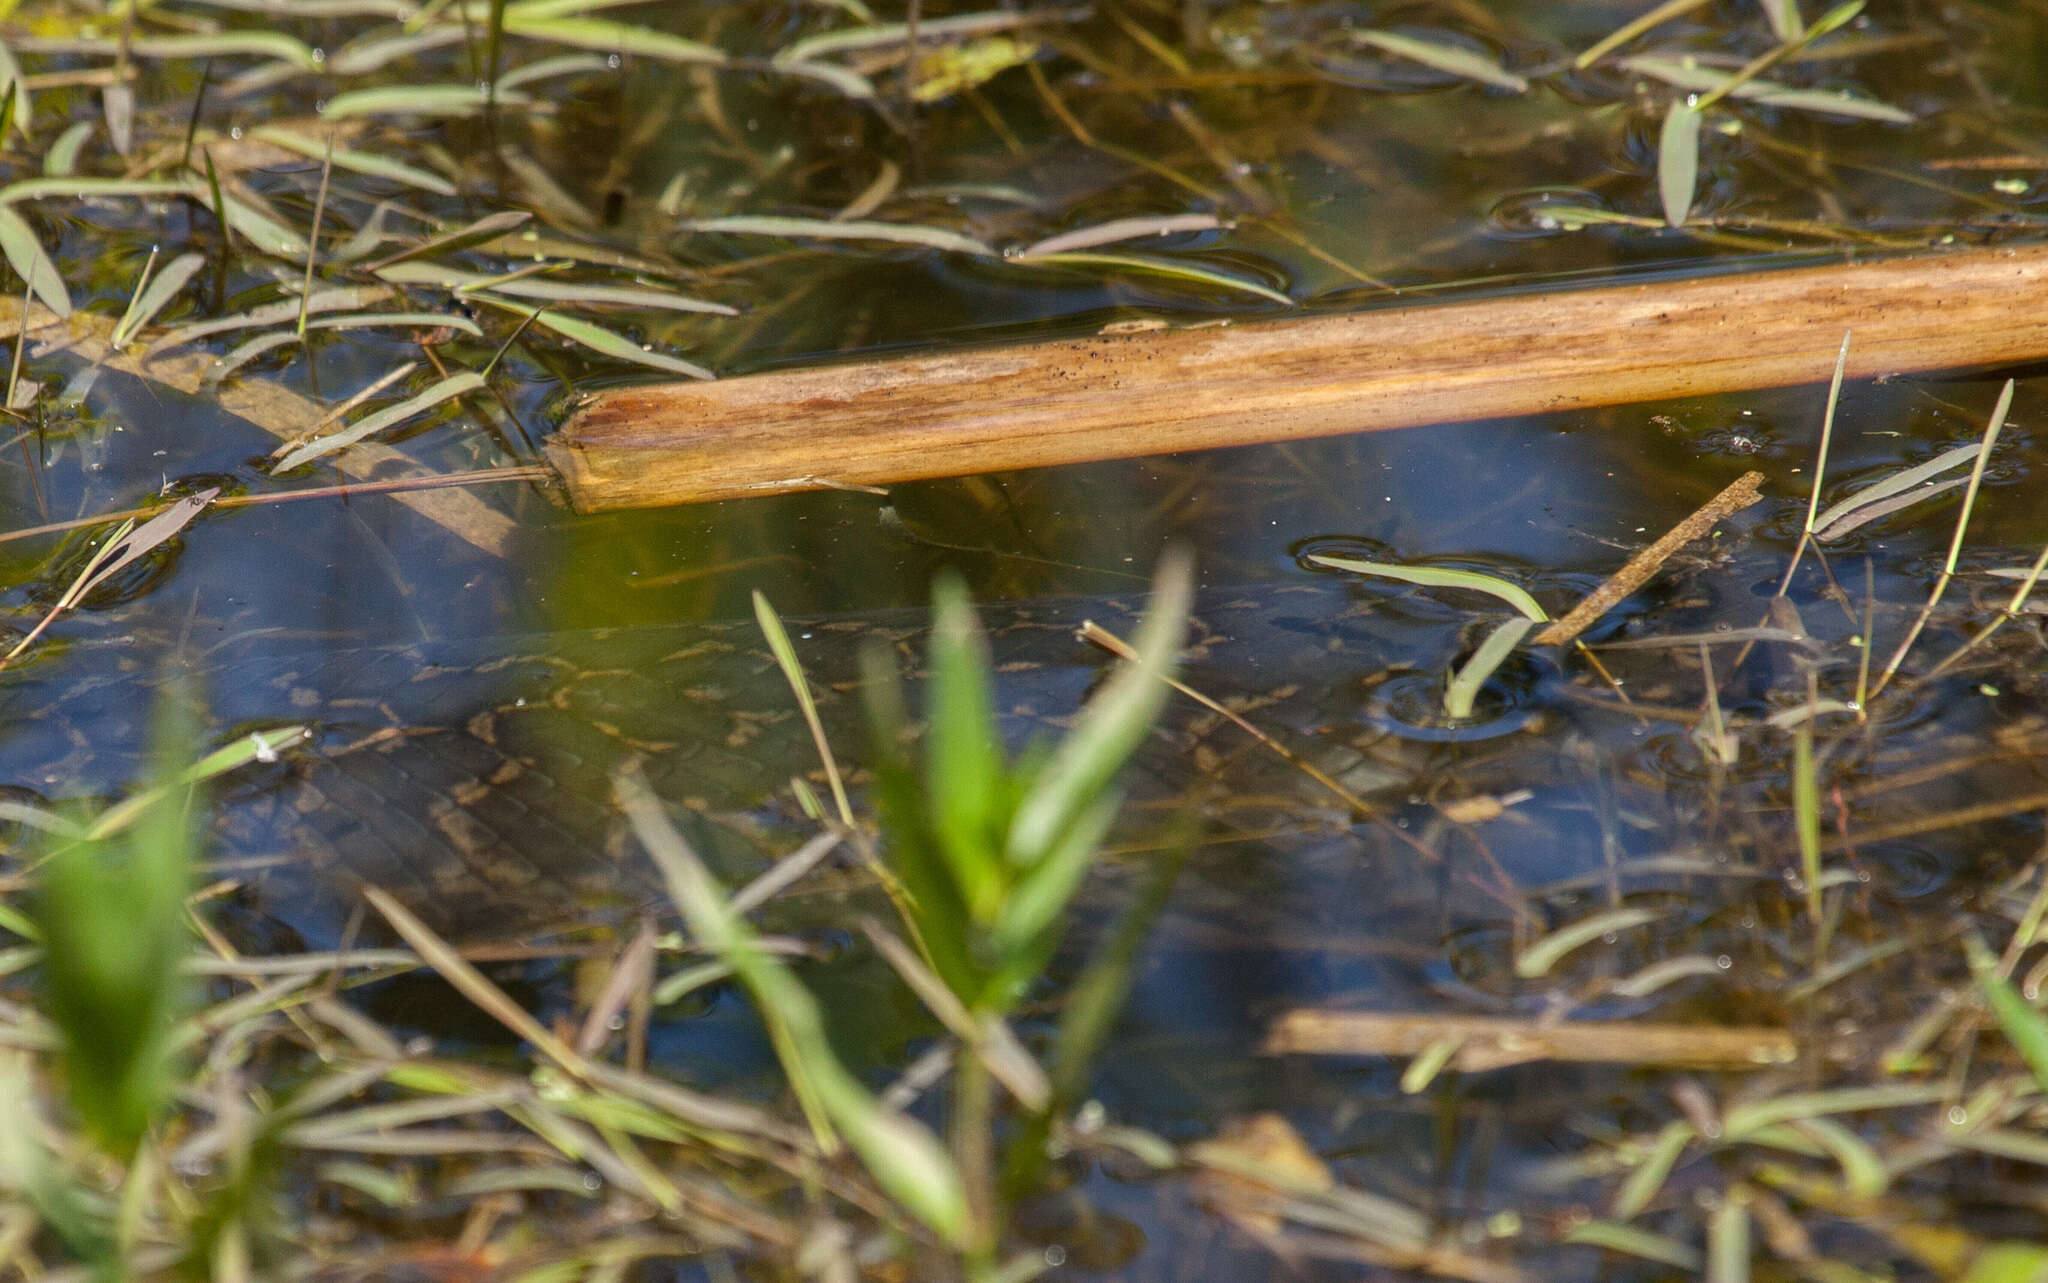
[[1155, 392], [1491, 1042]]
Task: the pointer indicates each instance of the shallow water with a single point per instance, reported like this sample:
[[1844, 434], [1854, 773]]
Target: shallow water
[[1344, 173]]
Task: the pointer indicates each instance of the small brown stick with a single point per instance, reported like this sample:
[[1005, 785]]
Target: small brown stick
[[1644, 566], [1492, 1043]]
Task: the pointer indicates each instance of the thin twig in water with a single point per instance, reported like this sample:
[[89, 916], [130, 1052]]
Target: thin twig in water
[[397, 485], [1644, 566]]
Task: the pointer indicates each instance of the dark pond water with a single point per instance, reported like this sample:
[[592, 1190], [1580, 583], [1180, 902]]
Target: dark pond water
[[1345, 174]]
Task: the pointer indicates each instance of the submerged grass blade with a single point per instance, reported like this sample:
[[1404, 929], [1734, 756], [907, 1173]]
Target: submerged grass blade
[[1697, 79], [1452, 60], [609, 37], [447, 389], [417, 100], [599, 339], [780, 646], [360, 162], [1182, 269], [25, 254], [1806, 818], [1899, 483], [1547, 952], [401, 320], [1955, 545], [1647, 1180], [1439, 577], [1629, 30], [1678, 161], [1120, 229], [2024, 1025], [487, 228], [824, 229], [162, 288]]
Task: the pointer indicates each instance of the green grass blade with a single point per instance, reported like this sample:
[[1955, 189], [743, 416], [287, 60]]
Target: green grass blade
[[1452, 60], [1464, 686], [902, 1156], [359, 162], [22, 108], [1437, 577], [162, 288], [2024, 1025], [1181, 269], [1678, 161], [487, 228], [25, 254], [1630, 1241], [398, 320], [1114, 723], [416, 100], [600, 340], [62, 158], [605, 36], [964, 767], [1647, 1180], [447, 389], [114, 933], [1806, 817], [938, 238], [780, 646], [1545, 953], [1690, 76], [1898, 483]]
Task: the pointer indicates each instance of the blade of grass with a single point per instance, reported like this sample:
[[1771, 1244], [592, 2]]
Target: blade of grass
[[825, 229], [26, 256], [2024, 1025], [1438, 577], [599, 339], [792, 671], [1793, 41], [1112, 725], [1678, 161], [447, 389], [1806, 818], [1955, 546], [898, 1151], [1452, 60], [1629, 30], [1546, 952], [1121, 229], [1464, 686], [609, 37], [156, 295], [1181, 269], [128, 542], [1690, 76], [1898, 483]]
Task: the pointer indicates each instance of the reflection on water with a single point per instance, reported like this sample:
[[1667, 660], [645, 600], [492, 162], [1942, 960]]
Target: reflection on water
[[469, 706]]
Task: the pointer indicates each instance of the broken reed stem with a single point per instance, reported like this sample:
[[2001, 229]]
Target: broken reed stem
[[1158, 391], [1641, 568], [1492, 1042]]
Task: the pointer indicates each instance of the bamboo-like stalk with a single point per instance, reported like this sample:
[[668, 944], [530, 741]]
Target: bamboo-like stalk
[[1156, 392]]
